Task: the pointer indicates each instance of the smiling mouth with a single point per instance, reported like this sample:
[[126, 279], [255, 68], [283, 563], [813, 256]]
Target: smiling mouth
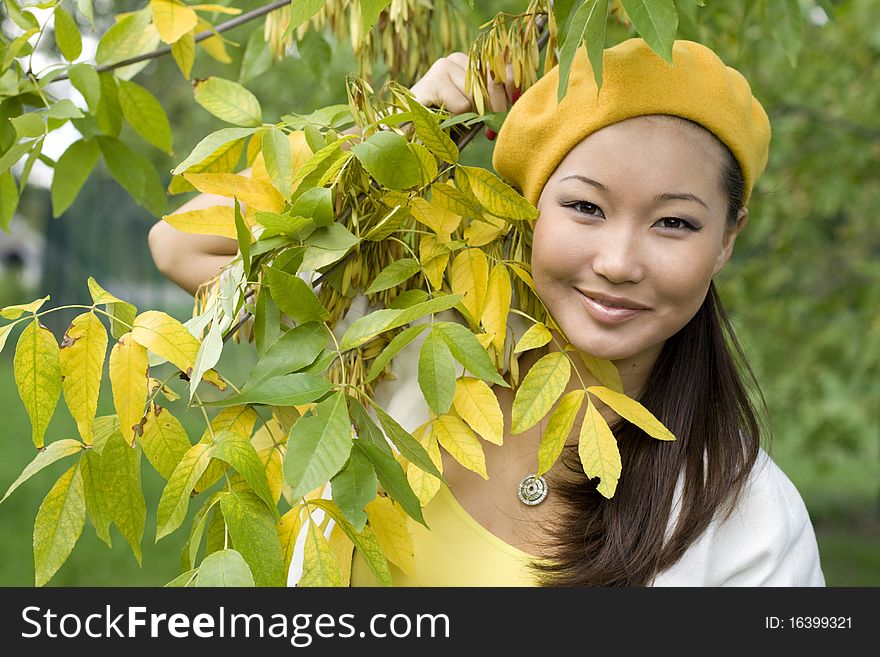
[[608, 312]]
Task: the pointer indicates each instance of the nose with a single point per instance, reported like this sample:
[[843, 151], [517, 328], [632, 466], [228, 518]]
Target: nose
[[617, 254]]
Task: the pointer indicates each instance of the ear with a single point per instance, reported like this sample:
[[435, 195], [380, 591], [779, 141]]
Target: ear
[[729, 239]]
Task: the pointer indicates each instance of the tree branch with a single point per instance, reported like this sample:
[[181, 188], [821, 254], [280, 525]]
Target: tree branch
[[207, 34]]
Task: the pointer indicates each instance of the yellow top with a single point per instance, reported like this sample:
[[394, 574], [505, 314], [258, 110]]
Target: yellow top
[[456, 551]]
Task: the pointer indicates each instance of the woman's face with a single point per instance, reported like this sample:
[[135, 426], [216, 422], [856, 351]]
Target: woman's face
[[632, 228]]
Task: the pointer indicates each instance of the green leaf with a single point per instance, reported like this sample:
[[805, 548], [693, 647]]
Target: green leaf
[[287, 390], [121, 478], [436, 373], [87, 82], [53, 452], [539, 390], [244, 237], [29, 125], [369, 326], [135, 173], [432, 136], [72, 170], [206, 357], [300, 12], [327, 245], [318, 446], [295, 297], [59, 523], [210, 144], [164, 440], [366, 428], [388, 158], [316, 204], [393, 479], [96, 501], [354, 487], [145, 114], [37, 374], [228, 101], [787, 26], [132, 35], [391, 350], [8, 200], [656, 21], [394, 274], [588, 20], [469, 352], [295, 349], [408, 446], [252, 530], [315, 52], [23, 18], [189, 578], [109, 113], [279, 160], [85, 8], [67, 34], [238, 452], [320, 567], [364, 541], [190, 551], [64, 109], [256, 59], [370, 10], [175, 497], [224, 568]]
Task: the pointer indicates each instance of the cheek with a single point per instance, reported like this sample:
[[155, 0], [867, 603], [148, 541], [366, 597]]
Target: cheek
[[556, 253]]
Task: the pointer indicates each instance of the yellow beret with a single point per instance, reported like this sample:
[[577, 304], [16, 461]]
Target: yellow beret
[[538, 133]]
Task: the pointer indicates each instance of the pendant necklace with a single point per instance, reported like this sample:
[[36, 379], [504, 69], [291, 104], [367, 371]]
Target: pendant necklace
[[532, 489]]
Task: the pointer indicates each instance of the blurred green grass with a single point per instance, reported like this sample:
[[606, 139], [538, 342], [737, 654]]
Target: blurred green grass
[[841, 498]]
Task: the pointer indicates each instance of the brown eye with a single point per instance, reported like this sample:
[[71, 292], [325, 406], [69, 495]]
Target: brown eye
[[676, 223], [585, 207]]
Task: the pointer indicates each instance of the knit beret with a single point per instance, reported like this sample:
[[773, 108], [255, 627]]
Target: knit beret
[[538, 133]]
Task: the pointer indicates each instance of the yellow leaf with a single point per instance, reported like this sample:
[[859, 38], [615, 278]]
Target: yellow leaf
[[343, 549], [82, 362], [598, 451], [254, 193], [469, 275], [425, 485], [558, 429], [164, 440], [461, 443], [220, 9], [14, 312], [215, 46], [320, 567], [605, 371], [440, 220], [168, 338], [288, 528], [477, 405], [523, 274], [633, 411], [217, 220], [496, 305], [184, 52], [172, 19], [300, 152], [536, 336], [271, 455], [485, 230], [434, 256], [541, 387], [238, 419], [495, 195], [37, 376], [388, 522], [156, 384], [128, 381], [485, 339], [58, 524]]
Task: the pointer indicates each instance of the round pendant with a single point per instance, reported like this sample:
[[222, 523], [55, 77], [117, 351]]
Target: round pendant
[[532, 490]]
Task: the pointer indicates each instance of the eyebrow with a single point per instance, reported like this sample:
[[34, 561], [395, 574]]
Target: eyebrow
[[669, 196]]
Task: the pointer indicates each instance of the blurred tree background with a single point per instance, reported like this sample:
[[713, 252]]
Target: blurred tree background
[[803, 288]]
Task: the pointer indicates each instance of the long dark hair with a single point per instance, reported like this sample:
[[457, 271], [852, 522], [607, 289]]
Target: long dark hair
[[704, 391]]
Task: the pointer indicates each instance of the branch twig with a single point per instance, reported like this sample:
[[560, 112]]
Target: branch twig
[[207, 34]]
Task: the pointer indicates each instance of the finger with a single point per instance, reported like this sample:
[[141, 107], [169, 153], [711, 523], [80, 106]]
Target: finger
[[498, 100]]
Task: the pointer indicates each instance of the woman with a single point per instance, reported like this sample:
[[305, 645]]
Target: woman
[[642, 190]]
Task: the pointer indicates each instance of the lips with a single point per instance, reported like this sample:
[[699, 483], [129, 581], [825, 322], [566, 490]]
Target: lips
[[610, 310]]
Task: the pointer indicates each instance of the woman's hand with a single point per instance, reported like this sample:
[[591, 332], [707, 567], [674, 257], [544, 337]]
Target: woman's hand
[[443, 86]]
